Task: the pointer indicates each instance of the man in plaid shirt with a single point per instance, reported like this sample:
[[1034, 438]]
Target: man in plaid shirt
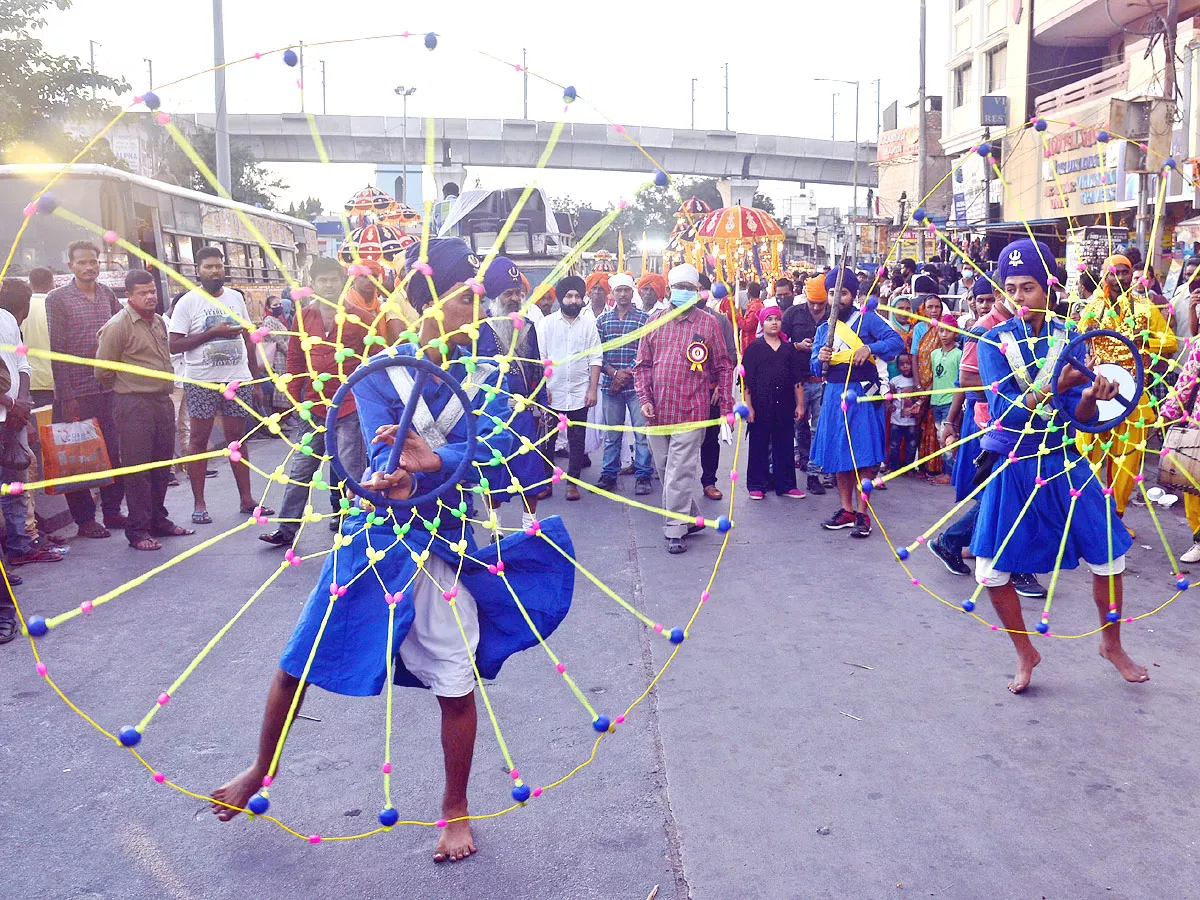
[[683, 368], [616, 383], [75, 313]]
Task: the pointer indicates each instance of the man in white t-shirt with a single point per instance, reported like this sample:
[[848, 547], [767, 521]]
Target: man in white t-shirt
[[209, 328]]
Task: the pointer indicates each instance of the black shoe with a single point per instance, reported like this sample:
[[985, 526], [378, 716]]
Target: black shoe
[[15, 580], [642, 487], [8, 629], [587, 461], [335, 523], [694, 529], [1027, 586], [276, 539], [830, 481], [815, 487], [606, 483], [676, 545], [862, 526], [840, 519], [210, 473], [952, 560]]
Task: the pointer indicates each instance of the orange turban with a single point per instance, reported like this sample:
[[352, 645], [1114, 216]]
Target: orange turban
[[597, 278], [655, 281], [814, 289], [1109, 264], [372, 266]]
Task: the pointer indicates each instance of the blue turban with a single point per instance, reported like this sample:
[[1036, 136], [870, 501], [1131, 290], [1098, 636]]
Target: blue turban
[[1025, 257], [570, 283], [924, 284], [849, 282], [452, 261], [982, 287], [502, 275]]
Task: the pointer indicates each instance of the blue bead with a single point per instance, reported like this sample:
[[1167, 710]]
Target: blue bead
[[1182, 584], [1170, 163], [521, 793], [720, 291], [389, 817], [872, 302], [676, 635], [741, 410], [919, 214], [258, 804], [1042, 627], [985, 150], [36, 626], [723, 524], [968, 605], [129, 736], [601, 724], [902, 553], [867, 485], [151, 100], [570, 94], [1113, 616], [1039, 125], [290, 58], [660, 178], [430, 41], [1102, 137], [47, 204]]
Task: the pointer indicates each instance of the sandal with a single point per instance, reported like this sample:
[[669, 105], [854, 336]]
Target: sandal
[[146, 543], [93, 530], [8, 629], [175, 531], [262, 510], [201, 518]]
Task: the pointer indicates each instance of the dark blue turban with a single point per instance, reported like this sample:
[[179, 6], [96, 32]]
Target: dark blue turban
[[452, 261], [502, 275], [1024, 257], [849, 283], [570, 283]]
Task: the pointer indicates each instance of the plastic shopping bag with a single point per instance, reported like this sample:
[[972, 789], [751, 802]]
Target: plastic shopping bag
[[74, 448]]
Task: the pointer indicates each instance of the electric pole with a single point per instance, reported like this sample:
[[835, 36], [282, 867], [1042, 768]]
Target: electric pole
[[922, 148], [224, 171], [726, 96], [92, 45], [694, 107], [150, 69], [324, 108], [525, 80]]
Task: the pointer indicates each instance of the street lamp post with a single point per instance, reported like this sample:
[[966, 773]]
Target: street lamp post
[[221, 138], [693, 104], [150, 70], [854, 230], [404, 93], [92, 45]]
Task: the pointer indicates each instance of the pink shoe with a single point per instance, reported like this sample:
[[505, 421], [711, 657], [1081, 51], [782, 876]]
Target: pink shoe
[[756, 495], [796, 494]]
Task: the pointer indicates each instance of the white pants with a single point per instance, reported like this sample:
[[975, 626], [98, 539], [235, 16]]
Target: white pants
[[989, 577], [677, 458], [434, 650]]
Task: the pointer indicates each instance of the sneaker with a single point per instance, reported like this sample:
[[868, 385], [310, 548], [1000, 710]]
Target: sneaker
[[815, 487], [210, 473], [840, 519], [606, 482], [1191, 554], [756, 495], [862, 526], [795, 494], [642, 487], [1027, 586], [952, 560]]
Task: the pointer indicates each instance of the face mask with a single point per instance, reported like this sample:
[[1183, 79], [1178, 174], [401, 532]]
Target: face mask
[[682, 297]]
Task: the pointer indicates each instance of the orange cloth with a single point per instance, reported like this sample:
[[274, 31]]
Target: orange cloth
[[815, 290], [597, 278], [656, 281]]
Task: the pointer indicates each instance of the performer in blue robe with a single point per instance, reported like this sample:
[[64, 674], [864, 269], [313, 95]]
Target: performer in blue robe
[[1014, 532], [862, 347], [446, 614]]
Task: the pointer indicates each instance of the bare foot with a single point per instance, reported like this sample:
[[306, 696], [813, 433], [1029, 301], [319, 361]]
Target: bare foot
[[1129, 670], [457, 842], [236, 793], [1025, 664]]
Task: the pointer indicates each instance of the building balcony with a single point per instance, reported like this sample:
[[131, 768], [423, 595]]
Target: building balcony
[[1060, 23], [1102, 85]]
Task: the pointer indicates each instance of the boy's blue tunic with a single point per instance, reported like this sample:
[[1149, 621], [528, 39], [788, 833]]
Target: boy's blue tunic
[[1034, 544], [351, 657], [862, 424], [966, 452]]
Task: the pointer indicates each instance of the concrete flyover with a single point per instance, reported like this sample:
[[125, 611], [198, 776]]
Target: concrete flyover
[[518, 142]]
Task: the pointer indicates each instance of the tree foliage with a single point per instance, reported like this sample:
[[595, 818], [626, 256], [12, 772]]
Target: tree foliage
[[253, 183], [40, 93], [308, 209]]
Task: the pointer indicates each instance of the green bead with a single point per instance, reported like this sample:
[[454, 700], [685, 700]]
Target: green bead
[[462, 506], [484, 483], [498, 429], [305, 415], [306, 439], [354, 511], [371, 518], [344, 503], [1106, 446], [307, 451], [456, 513], [469, 365]]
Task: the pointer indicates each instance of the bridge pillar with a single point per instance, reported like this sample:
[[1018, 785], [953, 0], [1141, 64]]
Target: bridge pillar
[[737, 190], [444, 173]]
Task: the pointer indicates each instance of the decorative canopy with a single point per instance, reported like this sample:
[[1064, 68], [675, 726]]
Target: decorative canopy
[[374, 243], [370, 200]]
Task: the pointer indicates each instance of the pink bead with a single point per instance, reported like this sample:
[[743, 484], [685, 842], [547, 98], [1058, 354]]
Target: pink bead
[[440, 823], [302, 292], [920, 538], [389, 599], [261, 520], [314, 839], [916, 582], [1039, 481], [619, 129], [228, 393], [1082, 267], [1012, 455], [704, 597], [268, 780], [844, 406], [30, 209], [1052, 279], [234, 445], [561, 668], [1075, 492], [733, 476], [516, 320], [475, 286], [537, 792], [424, 268], [387, 768], [450, 594], [235, 456], [1139, 478], [619, 720], [164, 698], [699, 521], [162, 119], [994, 387], [995, 628], [41, 669], [290, 555], [1164, 452], [1071, 124], [1129, 620], [557, 475], [621, 204], [1107, 492], [160, 777], [258, 56], [562, 423], [517, 67], [257, 336], [333, 588], [514, 774], [741, 371], [258, 514], [500, 564], [492, 570], [21, 350], [1023, 312], [704, 295], [658, 628], [730, 418], [111, 237], [86, 606]]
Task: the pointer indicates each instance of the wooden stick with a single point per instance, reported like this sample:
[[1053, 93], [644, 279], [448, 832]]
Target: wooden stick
[[835, 305]]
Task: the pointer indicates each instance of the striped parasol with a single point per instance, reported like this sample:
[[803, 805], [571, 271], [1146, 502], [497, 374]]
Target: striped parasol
[[401, 216], [374, 243], [370, 200]]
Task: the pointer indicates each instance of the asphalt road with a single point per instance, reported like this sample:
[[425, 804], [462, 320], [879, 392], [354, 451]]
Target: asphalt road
[[827, 730]]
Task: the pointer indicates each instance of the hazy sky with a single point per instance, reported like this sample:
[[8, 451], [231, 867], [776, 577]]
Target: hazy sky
[[633, 61]]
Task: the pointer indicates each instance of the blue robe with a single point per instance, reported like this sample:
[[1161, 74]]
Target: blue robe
[[964, 461], [862, 424], [351, 657], [1035, 542]]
